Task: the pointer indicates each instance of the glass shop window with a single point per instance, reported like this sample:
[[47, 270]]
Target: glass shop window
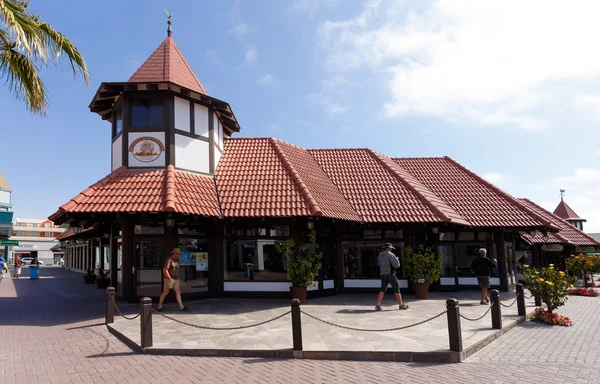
[[360, 259], [447, 252], [254, 260], [193, 264], [147, 112], [466, 236], [447, 236]]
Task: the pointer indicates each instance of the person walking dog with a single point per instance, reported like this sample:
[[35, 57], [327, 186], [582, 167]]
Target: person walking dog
[[483, 267], [171, 274], [388, 262]]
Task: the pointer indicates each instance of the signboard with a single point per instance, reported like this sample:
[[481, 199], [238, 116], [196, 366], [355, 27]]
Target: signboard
[[9, 242], [201, 261], [187, 259], [146, 149], [552, 247]]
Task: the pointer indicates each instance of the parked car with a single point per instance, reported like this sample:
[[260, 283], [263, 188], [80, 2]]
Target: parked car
[[28, 260]]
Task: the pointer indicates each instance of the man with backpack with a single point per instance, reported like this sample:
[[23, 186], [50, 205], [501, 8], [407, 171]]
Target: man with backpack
[[483, 267], [388, 262]]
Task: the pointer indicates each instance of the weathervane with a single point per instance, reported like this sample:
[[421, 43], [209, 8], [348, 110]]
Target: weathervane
[[562, 194], [169, 32]]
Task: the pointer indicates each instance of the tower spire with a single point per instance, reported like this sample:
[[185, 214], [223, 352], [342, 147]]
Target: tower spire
[[169, 16], [562, 194]]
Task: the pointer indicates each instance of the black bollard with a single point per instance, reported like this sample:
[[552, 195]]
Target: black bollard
[[146, 322], [454, 330], [110, 305], [296, 327], [521, 300], [496, 309]]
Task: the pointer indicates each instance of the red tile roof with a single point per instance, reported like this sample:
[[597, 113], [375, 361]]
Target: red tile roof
[[567, 233], [167, 63], [372, 188], [267, 177], [479, 202], [565, 212], [164, 190]]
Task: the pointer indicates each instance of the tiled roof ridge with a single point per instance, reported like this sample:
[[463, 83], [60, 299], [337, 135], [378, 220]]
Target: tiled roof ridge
[[92, 188], [510, 199], [563, 221], [410, 186], [187, 65], [170, 189], [218, 197], [315, 210]]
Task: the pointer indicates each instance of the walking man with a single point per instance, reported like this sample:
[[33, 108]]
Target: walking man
[[18, 264], [483, 267], [388, 262], [171, 274]]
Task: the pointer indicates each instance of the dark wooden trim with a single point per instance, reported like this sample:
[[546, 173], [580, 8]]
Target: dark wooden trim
[[147, 129], [127, 253], [170, 130], [116, 137], [192, 117], [211, 139], [191, 135], [126, 128]]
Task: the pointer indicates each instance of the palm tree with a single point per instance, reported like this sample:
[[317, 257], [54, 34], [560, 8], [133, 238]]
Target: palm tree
[[26, 44]]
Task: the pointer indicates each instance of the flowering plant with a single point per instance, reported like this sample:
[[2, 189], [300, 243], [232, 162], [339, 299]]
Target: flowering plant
[[548, 285], [586, 263], [583, 292], [539, 314]]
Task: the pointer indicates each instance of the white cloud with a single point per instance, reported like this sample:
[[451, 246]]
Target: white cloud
[[238, 26], [251, 56], [267, 80], [495, 177], [581, 177], [490, 63]]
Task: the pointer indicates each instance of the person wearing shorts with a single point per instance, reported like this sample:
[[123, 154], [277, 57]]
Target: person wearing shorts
[[483, 267], [171, 275], [18, 264], [388, 262]]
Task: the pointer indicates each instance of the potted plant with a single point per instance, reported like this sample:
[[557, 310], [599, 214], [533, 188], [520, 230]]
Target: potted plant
[[423, 267], [304, 264], [102, 279], [89, 277]]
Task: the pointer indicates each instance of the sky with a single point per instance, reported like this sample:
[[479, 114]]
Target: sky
[[510, 89]]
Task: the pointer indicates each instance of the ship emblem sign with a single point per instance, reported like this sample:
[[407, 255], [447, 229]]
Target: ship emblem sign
[[146, 149]]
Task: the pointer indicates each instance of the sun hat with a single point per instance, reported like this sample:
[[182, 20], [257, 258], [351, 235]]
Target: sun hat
[[175, 250], [389, 245]]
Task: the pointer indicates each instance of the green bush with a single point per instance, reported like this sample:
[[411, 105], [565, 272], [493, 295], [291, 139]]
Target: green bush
[[548, 285], [304, 263], [422, 264]]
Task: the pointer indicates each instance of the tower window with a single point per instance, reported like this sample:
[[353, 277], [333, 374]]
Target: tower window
[[147, 112], [118, 121]]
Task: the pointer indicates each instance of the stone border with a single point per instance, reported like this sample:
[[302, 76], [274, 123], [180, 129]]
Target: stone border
[[438, 356]]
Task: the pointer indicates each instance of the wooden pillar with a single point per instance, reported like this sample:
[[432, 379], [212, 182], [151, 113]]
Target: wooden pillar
[[113, 252], [127, 254], [501, 257], [339, 251], [216, 258]]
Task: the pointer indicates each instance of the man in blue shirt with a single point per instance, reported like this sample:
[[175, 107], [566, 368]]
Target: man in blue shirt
[[388, 262]]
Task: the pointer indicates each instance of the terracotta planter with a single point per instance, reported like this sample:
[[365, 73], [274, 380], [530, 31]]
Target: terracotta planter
[[420, 290], [89, 279], [102, 283], [299, 293]]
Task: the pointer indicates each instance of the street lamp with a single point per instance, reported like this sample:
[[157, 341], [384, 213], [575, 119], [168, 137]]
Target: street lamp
[[77, 229], [435, 230], [170, 222], [310, 225]]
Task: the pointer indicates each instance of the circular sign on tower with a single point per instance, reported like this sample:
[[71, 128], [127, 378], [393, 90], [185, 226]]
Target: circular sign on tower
[[146, 149]]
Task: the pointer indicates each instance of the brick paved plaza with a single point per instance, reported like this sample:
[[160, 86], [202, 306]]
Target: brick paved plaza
[[52, 330]]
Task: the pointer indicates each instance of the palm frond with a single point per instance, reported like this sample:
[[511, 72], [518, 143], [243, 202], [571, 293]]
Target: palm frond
[[23, 80], [22, 27], [58, 44]]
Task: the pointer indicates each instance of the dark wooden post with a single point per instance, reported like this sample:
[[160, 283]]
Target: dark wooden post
[[146, 322], [538, 301], [496, 309], [296, 327], [114, 260], [110, 305], [521, 300], [454, 330]]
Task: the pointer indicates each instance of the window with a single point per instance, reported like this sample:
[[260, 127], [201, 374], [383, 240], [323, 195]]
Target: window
[[360, 259], [147, 112], [262, 256], [394, 234], [193, 264], [47, 225], [280, 231], [372, 234], [447, 236], [118, 121], [48, 234], [466, 236], [485, 236], [447, 252], [149, 230], [20, 233], [466, 253]]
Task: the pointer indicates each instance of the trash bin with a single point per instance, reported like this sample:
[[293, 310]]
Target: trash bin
[[34, 272], [249, 271]]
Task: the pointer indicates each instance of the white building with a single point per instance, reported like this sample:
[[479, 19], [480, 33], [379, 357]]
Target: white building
[[6, 213], [35, 237]]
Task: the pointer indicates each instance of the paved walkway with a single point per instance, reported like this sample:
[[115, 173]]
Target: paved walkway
[[51, 331]]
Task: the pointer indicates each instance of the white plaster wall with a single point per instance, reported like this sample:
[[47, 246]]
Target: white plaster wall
[[216, 129], [328, 284], [182, 114], [217, 155], [244, 286], [117, 153], [447, 281], [369, 283], [220, 135], [191, 154], [5, 197], [158, 162], [201, 120], [467, 281]]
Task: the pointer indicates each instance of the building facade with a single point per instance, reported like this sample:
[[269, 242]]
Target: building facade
[[179, 179], [36, 238], [6, 212]]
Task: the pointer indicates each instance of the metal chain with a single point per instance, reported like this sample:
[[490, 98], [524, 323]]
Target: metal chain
[[121, 313], [479, 318], [374, 330], [511, 304], [528, 298], [220, 328]]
